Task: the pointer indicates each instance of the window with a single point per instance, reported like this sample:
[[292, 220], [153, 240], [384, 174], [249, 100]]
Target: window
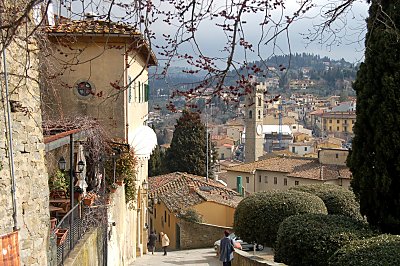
[[275, 180], [140, 92], [345, 122], [324, 120], [259, 178], [266, 179], [338, 121], [250, 114], [337, 128], [330, 121], [330, 128], [294, 149], [247, 179], [337, 155], [146, 92], [155, 212], [352, 121], [84, 89], [259, 101], [296, 183], [169, 220], [345, 129], [222, 156], [285, 181], [165, 216], [305, 148], [259, 114]]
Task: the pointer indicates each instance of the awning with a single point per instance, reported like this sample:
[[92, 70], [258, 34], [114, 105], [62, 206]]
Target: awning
[[143, 141]]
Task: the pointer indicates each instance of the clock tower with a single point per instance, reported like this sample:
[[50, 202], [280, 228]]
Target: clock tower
[[254, 118]]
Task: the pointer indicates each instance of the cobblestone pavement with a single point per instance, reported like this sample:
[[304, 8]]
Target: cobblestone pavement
[[198, 257]]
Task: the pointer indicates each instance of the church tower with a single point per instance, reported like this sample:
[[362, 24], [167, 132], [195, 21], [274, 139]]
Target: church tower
[[254, 139]]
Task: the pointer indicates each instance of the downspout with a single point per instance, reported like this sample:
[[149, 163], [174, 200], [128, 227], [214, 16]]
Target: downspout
[[71, 188], [126, 100], [10, 143]]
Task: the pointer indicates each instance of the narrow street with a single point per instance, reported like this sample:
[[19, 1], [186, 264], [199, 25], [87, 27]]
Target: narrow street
[[198, 257]]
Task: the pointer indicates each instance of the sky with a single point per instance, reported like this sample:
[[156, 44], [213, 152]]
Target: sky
[[349, 43]]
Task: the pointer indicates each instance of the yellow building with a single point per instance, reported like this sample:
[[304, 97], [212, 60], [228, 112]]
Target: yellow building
[[174, 194], [282, 172], [341, 122]]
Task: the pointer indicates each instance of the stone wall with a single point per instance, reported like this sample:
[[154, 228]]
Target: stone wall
[[242, 258], [89, 251], [199, 235], [30, 171]]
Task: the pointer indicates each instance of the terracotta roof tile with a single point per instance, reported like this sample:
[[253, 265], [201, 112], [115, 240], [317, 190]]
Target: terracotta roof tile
[[174, 190]]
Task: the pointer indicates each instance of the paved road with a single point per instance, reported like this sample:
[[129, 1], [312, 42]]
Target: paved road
[[198, 257]]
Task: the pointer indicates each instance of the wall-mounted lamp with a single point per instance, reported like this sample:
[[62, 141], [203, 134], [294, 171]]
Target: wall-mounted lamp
[[145, 185], [81, 166], [62, 164]]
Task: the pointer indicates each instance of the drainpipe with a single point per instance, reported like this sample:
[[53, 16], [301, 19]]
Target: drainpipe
[[10, 145], [71, 189]]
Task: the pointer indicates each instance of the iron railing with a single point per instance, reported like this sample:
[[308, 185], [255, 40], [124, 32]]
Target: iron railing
[[78, 221]]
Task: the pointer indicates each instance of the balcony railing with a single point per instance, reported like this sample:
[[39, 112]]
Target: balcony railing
[[73, 226]]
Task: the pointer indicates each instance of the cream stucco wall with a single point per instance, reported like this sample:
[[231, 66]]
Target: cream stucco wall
[[215, 213], [274, 181], [164, 221]]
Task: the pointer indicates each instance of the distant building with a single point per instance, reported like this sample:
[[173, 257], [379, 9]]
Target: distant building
[[284, 172], [339, 123]]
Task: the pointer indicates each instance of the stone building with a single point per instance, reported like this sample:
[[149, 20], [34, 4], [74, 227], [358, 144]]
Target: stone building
[[25, 210]]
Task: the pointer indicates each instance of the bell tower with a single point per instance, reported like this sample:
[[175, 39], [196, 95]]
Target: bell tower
[[254, 139]]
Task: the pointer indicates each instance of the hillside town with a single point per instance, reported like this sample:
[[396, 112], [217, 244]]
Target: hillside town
[[291, 160]]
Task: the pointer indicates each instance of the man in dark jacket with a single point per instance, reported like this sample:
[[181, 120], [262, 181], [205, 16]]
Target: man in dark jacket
[[226, 249], [152, 242]]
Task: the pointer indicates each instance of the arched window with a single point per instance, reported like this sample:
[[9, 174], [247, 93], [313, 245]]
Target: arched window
[[250, 114], [259, 101], [259, 114]]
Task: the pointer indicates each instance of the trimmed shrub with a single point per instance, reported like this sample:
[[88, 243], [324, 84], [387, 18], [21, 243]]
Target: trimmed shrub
[[338, 200], [258, 216], [379, 250], [311, 239]]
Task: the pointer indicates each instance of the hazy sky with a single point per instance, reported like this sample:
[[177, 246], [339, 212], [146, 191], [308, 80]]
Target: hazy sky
[[211, 39]]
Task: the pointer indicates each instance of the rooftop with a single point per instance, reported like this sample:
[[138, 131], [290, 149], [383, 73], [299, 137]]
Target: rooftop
[[174, 189], [308, 168]]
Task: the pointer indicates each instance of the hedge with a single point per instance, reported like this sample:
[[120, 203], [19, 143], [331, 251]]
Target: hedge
[[379, 250], [311, 239], [258, 216], [337, 199]]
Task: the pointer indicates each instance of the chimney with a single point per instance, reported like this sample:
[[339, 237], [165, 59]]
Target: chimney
[[191, 188]]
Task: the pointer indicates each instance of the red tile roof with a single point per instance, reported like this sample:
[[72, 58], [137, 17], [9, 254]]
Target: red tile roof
[[174, 190]]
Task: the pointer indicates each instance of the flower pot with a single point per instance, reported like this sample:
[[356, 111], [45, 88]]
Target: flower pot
[[53, 223], [78, 196], [120, 182], [61, 236], [88, 201]]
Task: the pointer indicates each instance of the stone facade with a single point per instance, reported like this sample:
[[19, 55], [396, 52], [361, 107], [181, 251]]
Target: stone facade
[[31, 177], [199, 235]]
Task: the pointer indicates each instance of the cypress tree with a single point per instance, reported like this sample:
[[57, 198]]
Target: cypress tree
[[375, 158], [188, 146]]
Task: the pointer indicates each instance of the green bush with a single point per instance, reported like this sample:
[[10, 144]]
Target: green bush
[[379, 250], [310, 239], [258, 216], [338, 200]]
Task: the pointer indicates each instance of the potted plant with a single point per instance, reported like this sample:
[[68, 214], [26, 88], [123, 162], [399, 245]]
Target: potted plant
[[89, 198], [78, 191], [58, 184], [61, 234], [113, 187]]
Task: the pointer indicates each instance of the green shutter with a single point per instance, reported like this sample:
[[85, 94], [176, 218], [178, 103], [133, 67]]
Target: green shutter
[[147, 91], [140, 92]]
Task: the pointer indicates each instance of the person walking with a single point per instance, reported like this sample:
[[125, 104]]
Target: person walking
[[152, 241], [226, 249], [164, 242]]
